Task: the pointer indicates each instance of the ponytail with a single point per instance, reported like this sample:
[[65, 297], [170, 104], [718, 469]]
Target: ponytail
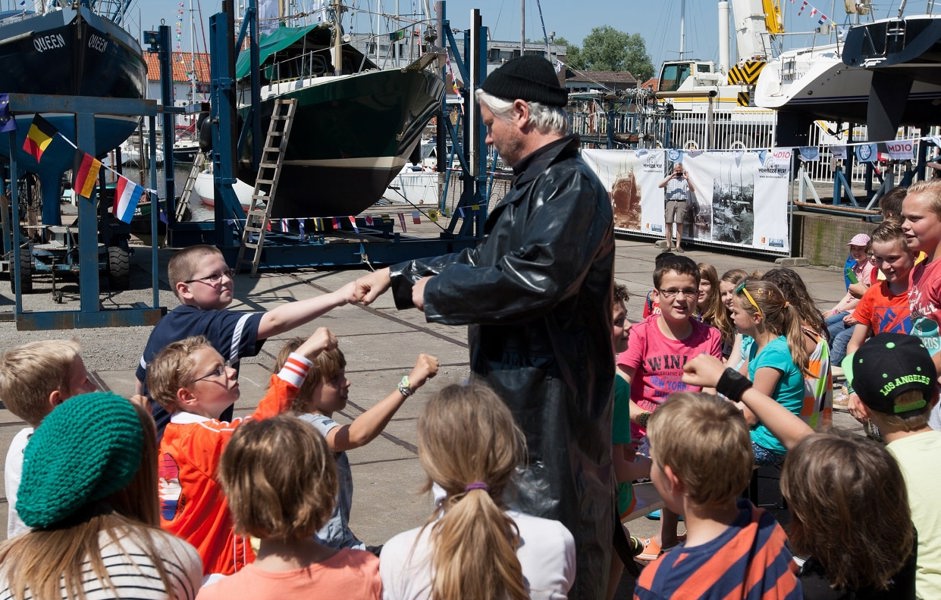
[[793, 331], [474, 551], [470, 446]]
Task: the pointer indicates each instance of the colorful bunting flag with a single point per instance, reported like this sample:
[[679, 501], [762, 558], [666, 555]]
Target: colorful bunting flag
[[161, 208], [7, 122], [38, 137], [336, 224], [84, 173], [416, 218], [402, 223], [368, 220], [809, 153], [126, 196], [353, 223]]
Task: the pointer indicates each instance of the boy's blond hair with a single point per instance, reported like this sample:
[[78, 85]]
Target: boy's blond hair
[[273, 498], [185, 263], [912, 421], [705, 441], [327, 366], [931, 190], [172, 369], [30, 372]]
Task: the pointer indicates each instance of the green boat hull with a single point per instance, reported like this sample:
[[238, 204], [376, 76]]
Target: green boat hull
[[351, 136]]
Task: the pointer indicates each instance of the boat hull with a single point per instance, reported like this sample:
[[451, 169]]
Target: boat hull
[[70, 53], [350, 138], [204, 188]]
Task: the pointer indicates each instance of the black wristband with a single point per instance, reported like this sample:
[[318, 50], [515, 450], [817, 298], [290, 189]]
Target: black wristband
[[732, 384]]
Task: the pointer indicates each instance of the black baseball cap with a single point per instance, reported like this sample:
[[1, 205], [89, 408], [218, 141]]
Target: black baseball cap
[[887, 365]]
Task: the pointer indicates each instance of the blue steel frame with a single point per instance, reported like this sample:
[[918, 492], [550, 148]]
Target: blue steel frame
[[90, 313]]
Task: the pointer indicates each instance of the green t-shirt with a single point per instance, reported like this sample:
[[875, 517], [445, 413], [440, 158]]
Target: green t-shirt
[[621, 434]]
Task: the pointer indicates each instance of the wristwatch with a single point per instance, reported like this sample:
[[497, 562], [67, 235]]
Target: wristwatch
[[405, 387], [642, 419]]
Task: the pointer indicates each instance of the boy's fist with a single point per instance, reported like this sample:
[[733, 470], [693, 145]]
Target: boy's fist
[[322, 339], [425, 368]]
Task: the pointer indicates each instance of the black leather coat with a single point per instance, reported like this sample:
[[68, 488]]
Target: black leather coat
[[536, 293]]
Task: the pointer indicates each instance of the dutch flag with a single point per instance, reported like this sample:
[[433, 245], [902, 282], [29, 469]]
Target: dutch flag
[[126, 196]]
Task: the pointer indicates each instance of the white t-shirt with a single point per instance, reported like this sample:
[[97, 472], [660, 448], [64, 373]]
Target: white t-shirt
[[12, 472], [546, 553], [134, 575], [917, 456]]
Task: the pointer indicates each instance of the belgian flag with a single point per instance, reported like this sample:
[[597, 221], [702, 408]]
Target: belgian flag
[[39, 137]]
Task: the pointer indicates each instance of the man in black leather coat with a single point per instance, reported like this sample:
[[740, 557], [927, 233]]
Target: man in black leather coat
[[536, 293]]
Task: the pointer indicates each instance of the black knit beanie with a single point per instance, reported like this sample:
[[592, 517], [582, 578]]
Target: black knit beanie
[[527, 77]]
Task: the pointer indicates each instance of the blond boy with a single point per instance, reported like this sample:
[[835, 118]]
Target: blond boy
[[204, 283], [194, 384], [702, 461], [35, 378]]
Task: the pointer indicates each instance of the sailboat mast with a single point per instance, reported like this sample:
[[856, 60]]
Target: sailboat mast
[[337, 41], [682, 29], [192, 55], [522, 27]]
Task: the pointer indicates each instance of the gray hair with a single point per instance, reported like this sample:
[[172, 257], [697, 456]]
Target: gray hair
[[546, 119]]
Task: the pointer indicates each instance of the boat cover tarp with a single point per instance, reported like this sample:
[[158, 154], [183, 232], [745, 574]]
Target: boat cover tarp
[[277, 40]]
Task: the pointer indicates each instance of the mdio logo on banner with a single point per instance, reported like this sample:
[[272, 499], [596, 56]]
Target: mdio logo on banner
[[900, 149]]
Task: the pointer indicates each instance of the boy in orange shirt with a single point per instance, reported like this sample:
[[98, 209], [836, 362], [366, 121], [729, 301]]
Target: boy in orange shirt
[[192, 382]]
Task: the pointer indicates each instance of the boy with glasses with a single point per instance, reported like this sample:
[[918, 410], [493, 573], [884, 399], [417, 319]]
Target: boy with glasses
[[192, 382], [653, 363], [203, 282]]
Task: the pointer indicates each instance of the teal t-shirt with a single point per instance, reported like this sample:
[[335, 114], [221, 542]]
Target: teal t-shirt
[[789, 392], [621, 434]]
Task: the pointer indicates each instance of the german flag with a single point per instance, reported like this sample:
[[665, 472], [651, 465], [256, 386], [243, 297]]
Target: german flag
[[85, 173], [38, 137]]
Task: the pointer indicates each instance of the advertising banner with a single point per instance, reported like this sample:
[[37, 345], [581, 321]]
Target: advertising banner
[[740, 198]]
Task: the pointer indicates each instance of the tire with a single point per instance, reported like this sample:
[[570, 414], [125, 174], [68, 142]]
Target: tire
[[119, 268], [26, 272]]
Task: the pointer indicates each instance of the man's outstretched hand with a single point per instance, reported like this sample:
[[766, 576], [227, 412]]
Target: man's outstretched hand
[[371, 286]]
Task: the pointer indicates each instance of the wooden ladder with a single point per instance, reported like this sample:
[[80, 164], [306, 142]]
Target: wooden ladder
[[184, 201], [266, 183]]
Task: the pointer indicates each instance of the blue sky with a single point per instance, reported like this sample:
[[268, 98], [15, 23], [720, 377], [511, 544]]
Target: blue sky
[[658, 21]]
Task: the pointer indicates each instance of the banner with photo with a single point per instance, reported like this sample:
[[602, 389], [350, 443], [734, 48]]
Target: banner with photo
[[740, 198], [632, 177]]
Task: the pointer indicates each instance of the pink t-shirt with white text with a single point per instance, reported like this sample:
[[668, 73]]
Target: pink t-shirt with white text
[[658, 360]]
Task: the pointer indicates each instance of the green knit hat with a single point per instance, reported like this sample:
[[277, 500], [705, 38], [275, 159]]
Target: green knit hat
[[87, 448]]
